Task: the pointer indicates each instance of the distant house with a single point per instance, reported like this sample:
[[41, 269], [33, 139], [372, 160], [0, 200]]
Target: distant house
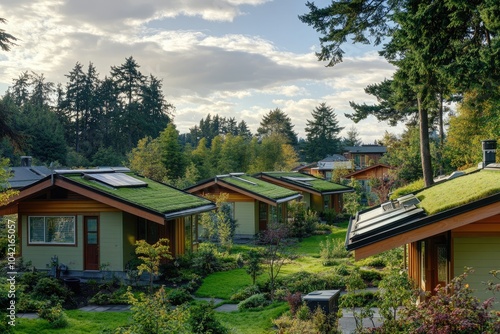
[[363, 176], [364, 155], [318, 194], [255, 202], [91, 217], [326, 166], [447, 227]]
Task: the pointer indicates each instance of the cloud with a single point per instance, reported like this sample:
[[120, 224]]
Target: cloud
[[234, 74]]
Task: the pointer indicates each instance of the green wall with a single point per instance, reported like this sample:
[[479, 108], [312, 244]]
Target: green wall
[[483, 255]]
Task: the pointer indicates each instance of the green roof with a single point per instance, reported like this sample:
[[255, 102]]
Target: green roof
[[155, 196], [258, 187], [317, 184], [459, 191]]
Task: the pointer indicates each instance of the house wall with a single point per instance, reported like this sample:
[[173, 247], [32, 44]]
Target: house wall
[[40, 255], [111, 240], [306, 198], [245, 214], [482, 253]]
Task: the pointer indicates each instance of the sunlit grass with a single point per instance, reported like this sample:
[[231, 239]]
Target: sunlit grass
[[258, 321], [80, 322]]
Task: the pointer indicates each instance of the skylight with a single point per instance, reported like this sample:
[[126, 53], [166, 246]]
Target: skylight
[[116, 180]]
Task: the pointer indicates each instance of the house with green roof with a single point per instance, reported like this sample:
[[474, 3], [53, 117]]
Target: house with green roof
[[254, 202], [91, 217], [319, 195], [444, 228]]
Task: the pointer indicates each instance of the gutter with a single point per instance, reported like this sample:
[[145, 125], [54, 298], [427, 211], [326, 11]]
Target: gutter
[[191, 211]]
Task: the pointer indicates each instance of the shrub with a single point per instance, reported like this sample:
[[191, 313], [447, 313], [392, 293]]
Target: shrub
[[370, 275], [244, 293], [205, 260], [105, 297], [179, 296], [202, 320], [48, 288], [258, 300], [54, 314], [152, 314], [333, 249], [30, 279], [294, 300], [453, 309]]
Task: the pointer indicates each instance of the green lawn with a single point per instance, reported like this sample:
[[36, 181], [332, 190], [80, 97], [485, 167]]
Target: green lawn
[[252, 322], [80, 322], [217, 285]]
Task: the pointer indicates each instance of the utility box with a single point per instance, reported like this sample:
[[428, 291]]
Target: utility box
[[328, 300]]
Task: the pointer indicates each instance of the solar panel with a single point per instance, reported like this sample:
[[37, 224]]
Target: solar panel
[[116, 180]]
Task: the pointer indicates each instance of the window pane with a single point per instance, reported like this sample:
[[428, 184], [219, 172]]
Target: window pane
[[92, 225], [60, 230], [36, 228]]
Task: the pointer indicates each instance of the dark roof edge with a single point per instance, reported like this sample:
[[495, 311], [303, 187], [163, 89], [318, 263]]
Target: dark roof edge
[[187, 212]]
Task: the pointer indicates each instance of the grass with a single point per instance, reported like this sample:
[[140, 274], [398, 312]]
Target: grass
[[252, 322], [443, 196], [80, 322], [224, 283]]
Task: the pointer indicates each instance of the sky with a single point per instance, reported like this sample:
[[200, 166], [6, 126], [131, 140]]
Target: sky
[[234, 58]]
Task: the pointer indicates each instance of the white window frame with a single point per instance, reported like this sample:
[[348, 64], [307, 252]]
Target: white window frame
[[46, 221]]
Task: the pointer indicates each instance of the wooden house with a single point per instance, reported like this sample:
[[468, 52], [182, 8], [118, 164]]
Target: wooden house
[[92, 217], [364, 175], [364, 155], [452, 225], [318, 194], [255, 202]]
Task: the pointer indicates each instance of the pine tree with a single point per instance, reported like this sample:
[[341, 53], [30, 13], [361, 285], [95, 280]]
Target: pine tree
[[322, 133]]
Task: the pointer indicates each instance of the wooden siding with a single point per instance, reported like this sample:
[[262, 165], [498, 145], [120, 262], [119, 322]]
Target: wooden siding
[[111, 240], [64, 206], [317, 203], [480, 253], [129, 237], [244, 213]]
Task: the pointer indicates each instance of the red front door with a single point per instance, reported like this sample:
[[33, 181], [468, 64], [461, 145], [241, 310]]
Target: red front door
[[91, 243]]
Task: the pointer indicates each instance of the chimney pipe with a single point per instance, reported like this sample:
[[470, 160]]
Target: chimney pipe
[[489, 152], [25, 161]]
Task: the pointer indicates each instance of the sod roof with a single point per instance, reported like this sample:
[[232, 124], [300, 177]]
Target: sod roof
[[258, 187], [316, 184], [459, 191], [155, 196]]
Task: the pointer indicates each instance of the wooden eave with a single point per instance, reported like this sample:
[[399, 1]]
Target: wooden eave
[[432, 225]]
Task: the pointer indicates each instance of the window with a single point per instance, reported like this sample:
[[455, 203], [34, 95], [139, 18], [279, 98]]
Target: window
[[52, 230]]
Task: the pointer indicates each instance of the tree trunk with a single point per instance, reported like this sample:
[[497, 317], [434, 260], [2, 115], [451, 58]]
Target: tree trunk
[[425, 152]]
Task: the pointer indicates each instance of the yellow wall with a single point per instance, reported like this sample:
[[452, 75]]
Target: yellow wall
[[480, 253], [111, 240], [244, 213]]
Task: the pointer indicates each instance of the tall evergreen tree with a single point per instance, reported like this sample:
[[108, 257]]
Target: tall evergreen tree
[[276, 122], [172, 155], [6, 39], [322, 133], [74, 104], [432, 43]]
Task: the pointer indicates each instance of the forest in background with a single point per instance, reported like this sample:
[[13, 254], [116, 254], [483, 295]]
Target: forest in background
[[124, 119]]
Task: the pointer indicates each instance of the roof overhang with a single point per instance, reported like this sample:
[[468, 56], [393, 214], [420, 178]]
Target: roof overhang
[[287, 183], [423, 227]]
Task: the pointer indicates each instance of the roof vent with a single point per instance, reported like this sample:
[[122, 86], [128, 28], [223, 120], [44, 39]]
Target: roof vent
[[26, 161], [489, 152]]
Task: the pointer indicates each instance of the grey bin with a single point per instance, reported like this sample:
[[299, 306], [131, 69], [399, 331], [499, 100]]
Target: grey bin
[[328, 300]]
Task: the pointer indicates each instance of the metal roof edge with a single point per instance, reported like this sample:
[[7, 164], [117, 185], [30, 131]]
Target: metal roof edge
[[187, 212]]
